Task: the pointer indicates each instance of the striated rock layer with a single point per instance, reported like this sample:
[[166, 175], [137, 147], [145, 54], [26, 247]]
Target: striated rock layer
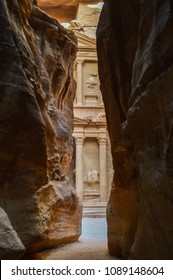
[[36, 123], [135, 50]]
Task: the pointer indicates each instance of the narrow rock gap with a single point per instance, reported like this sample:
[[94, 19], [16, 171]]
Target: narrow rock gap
[[94, 187], [90, 157], [42, 192]]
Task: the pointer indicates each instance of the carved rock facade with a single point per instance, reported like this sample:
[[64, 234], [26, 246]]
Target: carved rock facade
[[135, 50], [36, 123]]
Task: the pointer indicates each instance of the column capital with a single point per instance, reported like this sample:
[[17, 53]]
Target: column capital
[[80, 61], [102, 141], [79, 140]]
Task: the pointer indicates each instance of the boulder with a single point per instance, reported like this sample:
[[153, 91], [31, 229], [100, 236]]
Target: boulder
[[11, 246]]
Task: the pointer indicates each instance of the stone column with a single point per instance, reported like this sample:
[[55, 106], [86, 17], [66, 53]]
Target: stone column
[[103, 169], [79, 166], [79, 81]]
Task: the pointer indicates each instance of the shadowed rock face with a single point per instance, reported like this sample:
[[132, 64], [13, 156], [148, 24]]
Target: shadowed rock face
[[135, 50], [36, 123], [10, 244]]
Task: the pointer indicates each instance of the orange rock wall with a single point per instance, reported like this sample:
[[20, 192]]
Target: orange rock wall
[[67, 10], [36, 123]]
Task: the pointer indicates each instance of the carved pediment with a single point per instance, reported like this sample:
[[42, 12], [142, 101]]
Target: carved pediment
[[80, 121], [85, 42]]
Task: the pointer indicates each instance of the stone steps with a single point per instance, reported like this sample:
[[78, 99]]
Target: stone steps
[[94, 213]]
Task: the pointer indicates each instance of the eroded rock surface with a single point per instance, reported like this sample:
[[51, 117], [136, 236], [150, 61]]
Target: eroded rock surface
[[10, 244], [36, 123], [63, 2], [135, 50], [79, 15]]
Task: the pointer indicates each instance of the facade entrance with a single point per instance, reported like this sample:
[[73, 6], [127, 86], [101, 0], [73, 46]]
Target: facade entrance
[[93, 162], [91, 169]]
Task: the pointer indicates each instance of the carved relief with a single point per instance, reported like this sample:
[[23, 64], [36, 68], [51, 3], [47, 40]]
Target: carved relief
[[91, 82], [76, 25], [100, 117], [92, 177]]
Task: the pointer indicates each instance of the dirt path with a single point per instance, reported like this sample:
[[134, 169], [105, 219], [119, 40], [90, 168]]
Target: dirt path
[[91, 246], [81, 250]]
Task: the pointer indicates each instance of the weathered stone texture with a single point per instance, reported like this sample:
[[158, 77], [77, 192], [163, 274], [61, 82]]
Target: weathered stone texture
[[58, 3], [80, 15], [10, 244], [135, 49], [63, 2], [36, 123]]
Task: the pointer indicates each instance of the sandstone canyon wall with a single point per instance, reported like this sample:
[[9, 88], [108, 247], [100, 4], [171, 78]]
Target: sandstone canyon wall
[[39, 208], [135, 50]]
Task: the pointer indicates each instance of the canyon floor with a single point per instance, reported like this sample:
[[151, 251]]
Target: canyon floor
[[92, 244]]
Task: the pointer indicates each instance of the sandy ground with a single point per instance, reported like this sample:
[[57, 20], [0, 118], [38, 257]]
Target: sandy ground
[[92, 245]]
